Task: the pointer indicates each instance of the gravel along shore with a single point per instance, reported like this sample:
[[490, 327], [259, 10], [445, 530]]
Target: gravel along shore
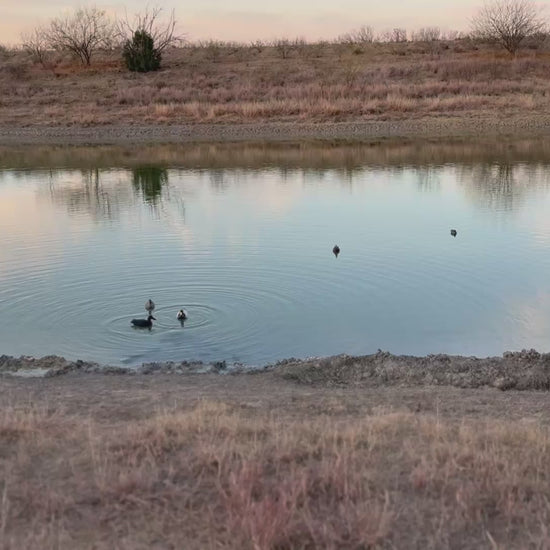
[[519, 126]]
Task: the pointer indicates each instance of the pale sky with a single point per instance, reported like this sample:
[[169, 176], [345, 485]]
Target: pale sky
[[245, 20]]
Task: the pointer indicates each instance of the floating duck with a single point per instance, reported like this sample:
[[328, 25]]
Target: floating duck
[[336, 250], [182, 315], [453, 232], [143, 323], [149, 306]]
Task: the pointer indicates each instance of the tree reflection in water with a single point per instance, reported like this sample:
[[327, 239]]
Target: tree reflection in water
[[428, 178], [103, 195], [85, 192], [499, 185], [502, 187], [148, 181]]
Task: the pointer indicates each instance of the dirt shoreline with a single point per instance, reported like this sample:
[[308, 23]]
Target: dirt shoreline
[[424, 128], [524, 370]]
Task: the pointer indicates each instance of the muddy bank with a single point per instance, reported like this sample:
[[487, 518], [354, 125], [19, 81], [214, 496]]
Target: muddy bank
[[524, 370], [53, 365], [443, 127]]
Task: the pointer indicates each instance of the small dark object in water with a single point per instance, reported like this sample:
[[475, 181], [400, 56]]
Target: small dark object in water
[[182, 315], [143, 323], [336, 250], [149, 306], [453, 232]]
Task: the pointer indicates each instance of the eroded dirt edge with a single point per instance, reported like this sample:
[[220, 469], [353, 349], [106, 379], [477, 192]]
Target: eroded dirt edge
[[523, 370]]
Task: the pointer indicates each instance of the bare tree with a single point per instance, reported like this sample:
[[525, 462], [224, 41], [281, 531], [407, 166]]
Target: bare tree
[[395, 35], [427, 34], [81, 33], [162, 32], [35, 43], [258, 45], [452, 35], [284, 47], [508, 22], [362, 35]]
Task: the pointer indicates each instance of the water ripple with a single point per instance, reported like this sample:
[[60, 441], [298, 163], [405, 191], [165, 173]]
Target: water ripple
[[256, 273]]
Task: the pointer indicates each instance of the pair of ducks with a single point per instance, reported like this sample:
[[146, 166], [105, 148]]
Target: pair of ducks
[[148, 323]]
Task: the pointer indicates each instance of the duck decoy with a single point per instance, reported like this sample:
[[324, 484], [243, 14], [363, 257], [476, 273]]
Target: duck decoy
[[182, 315], [149, 306], [453, 232], [143, 323], [336, 250]]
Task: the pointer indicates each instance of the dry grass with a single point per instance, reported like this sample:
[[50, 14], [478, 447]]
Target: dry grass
[[216, 82], [216, 476]]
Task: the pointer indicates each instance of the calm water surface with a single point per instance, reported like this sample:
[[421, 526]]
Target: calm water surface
[[243, 241]]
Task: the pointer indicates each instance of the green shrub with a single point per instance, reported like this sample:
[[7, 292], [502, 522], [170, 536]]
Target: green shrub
[[140, 53]]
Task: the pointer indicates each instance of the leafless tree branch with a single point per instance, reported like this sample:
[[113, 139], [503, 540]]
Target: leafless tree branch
[[163, 33], [35, 43], [508, 22], [81, 33]]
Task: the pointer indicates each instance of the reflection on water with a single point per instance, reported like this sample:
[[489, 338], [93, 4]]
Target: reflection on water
[[314, 156], [242, 238], [148, 182], [86, 191], [497, 186]]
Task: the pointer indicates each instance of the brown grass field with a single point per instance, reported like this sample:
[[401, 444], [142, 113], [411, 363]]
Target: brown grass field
[[259, 461], [324, 82]]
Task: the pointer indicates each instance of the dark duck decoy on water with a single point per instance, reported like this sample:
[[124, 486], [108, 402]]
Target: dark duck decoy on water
[[182, 315], [336, 250], [143, 323], [149, 306]]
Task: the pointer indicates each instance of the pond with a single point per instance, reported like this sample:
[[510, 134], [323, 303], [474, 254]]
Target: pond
[[241, 236]]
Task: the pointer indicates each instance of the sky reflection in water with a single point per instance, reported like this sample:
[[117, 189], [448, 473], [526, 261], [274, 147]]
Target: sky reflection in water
[[247, 250]]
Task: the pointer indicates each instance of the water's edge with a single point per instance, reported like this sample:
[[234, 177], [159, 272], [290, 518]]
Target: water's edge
[[524, 370]]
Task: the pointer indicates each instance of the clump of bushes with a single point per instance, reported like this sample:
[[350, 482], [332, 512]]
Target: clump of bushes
[[87, 30]]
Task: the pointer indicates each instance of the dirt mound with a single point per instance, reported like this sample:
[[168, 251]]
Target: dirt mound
[[525, 370]]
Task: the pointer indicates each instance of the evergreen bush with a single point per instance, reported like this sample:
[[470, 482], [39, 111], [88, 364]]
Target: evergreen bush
[[140, 53]]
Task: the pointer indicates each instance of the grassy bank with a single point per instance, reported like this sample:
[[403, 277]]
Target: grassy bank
[[224, 474], [373, 452], [304, 456], [326, 82]]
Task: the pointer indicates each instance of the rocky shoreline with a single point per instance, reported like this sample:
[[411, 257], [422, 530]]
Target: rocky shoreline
[[524, 370], [426, 128]]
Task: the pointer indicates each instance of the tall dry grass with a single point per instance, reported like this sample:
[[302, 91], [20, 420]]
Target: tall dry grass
[[217, 82], [222, 476]]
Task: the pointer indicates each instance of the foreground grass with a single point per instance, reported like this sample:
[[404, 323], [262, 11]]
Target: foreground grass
[[218, 82], [218, 476]]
